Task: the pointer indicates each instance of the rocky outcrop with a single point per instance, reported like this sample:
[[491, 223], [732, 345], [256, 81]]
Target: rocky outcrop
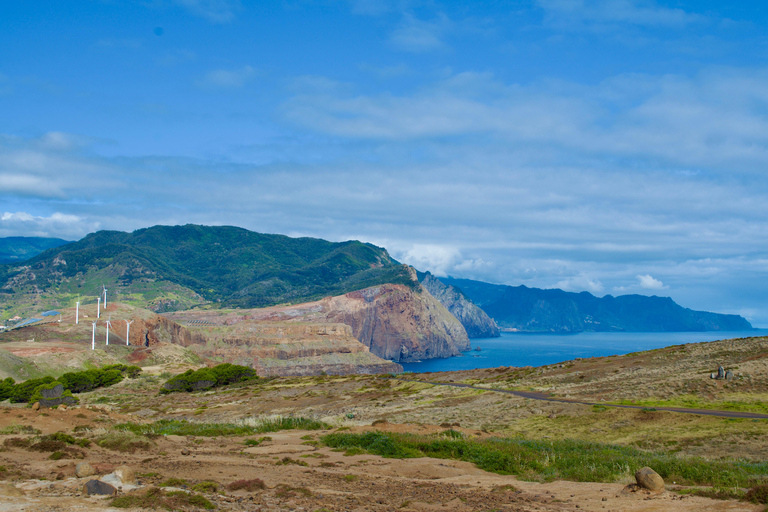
[[396, 322], [287, 348], [476, 322]]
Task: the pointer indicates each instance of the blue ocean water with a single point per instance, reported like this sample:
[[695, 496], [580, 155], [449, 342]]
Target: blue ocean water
[[519, 349]]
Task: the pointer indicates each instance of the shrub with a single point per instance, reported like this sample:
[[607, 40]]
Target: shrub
[[208, 486], [157, 498], [123, 441], [246, 485], [6, 387], [758, 494], [174, 482], [23, 392], [206, 378]]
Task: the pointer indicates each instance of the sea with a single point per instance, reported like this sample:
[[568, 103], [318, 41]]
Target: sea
[[524, 349]]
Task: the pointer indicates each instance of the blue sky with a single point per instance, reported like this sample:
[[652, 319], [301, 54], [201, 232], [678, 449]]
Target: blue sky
[[610, 146]]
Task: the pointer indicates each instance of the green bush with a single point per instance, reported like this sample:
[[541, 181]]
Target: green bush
[[206, 378], [22, 392], [6, 388]]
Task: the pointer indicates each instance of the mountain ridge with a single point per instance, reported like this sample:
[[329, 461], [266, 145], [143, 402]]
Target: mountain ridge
[[524, 309]]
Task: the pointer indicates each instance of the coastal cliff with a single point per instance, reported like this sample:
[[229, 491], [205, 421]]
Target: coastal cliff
[[286, 349], [476, 322], [395, 322]]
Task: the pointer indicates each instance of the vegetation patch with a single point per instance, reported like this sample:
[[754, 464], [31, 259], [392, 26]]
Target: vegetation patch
[[556, 460], [757, 494], [187, 428], [73, 382], [158, 498], [254, 484], [208, 378], [123, 441], [696, 402]]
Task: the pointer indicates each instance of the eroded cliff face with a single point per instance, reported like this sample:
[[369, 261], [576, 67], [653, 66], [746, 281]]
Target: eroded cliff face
[[394, 321], [476, 322], [282, 348], [398, 323]]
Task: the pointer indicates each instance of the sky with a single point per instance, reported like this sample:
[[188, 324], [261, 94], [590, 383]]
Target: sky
[[609, 146]]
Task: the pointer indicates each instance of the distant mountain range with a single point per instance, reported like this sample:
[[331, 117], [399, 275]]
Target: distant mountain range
[[519, 308], [19, 248], [167, 268]]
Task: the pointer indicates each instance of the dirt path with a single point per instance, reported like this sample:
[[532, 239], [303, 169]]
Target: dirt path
[[533, 395]]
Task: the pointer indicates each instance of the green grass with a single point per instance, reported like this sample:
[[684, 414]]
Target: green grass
[[187, 428], [556, 460], [696, 402]]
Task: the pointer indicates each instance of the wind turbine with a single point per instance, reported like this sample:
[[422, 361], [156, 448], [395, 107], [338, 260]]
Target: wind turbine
[[108, 324], [128, 332], [98, 307], [105, 297], [93, 337], [77, 312]]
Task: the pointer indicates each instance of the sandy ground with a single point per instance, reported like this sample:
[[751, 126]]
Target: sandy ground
[[299, 476]]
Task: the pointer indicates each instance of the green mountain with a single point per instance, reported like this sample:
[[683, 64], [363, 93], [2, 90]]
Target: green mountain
[[175, 267], [19, 248], [535, 310]]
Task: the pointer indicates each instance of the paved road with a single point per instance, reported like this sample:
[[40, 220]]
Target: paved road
[[541, 396]]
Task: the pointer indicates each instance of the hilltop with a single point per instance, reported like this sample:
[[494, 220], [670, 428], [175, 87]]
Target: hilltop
[[168, 268]]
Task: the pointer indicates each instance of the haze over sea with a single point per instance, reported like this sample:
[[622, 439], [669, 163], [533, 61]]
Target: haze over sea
[[523, 349]]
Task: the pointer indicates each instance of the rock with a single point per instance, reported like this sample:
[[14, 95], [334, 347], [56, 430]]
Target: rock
[[63, 407], [649, 479], [84, 469], [185, 451], [720, 372], [729, 375], [100, 488], [10, 490], [712, 375], [126, 475], [36, 406]]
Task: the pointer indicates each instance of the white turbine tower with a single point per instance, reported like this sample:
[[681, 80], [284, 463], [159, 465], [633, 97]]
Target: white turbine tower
[[108, 324], [128, 332], [77, 312], [98, 307], [93, 337], [105, 297]]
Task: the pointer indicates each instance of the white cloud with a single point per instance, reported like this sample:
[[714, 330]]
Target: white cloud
[[713, 118], [601, 14], [228, 79], [649, 283], [415, 35], [55, 225], [215, 11], [579, 283]]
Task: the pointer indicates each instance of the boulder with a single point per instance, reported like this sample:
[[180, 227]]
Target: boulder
[[649, 479], [99, 487], [720, 372], [126, 475], [729, 375], [10, 490], [36, 406], [84, 469]]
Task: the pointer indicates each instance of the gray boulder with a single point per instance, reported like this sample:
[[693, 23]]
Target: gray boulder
[[100, 488], [649, 479]]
